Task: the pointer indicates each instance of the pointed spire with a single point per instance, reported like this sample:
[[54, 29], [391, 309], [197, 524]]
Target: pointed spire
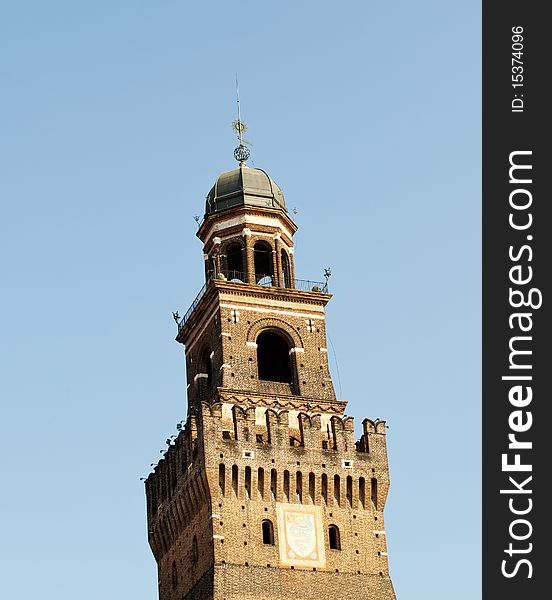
[[242, 152]]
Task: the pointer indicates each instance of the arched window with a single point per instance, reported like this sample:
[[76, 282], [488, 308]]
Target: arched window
[[335, 540], [286, 485], [206, 365], [174, 576], [262, 255], [234, 262], [286, 274], [324, 488], [273, 359], [268, 533]]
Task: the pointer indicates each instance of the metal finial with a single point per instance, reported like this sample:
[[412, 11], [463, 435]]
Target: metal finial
[[327, 275], [242, 152]]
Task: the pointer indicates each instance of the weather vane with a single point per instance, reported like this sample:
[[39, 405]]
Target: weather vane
[[242, 152]]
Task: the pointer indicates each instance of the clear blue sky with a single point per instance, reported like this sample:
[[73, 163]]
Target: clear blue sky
[[114, 122]]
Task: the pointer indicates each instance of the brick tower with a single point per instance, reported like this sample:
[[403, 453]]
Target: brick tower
[[264, 493]]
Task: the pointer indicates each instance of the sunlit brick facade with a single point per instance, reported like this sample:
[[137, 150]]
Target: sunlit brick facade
[[264, 493]]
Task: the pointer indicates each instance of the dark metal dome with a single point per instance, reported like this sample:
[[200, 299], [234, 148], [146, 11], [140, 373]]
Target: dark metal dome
[[244, 186]]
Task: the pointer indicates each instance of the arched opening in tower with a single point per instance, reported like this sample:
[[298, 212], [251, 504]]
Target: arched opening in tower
[[262, 256], [286, 273], [206, 365], [234, 262], [273, 357]]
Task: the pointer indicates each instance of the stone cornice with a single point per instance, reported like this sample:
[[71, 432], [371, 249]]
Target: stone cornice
[[281, 402], [217, 286], [203, 231]]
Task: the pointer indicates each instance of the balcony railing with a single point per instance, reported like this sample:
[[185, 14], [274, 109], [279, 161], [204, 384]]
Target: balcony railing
[[268, 281], [303, 285], [193, 305]]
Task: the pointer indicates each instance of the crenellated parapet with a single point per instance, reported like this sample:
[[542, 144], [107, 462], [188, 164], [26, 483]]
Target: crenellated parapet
[[262, 425], [259, 429]]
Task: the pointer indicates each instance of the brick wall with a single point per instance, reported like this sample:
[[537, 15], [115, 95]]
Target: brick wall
[[222, 494], [257, 451]]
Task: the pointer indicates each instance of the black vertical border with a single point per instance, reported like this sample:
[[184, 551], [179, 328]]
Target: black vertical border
[[504, 132]]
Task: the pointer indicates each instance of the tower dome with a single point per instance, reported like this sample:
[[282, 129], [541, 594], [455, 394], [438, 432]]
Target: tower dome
[[244, 186]]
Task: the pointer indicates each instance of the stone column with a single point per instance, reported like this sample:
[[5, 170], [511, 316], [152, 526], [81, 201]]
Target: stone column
[[207, 266], [274, 268], [291, 268], [249, 256], [216, 254], [278, 260]]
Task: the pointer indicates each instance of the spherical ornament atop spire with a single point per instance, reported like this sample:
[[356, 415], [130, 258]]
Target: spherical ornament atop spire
[[242, 153]]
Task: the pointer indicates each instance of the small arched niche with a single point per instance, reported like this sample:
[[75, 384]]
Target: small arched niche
[[334, 537], [262, 257], [273, 357], [268, 532]]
